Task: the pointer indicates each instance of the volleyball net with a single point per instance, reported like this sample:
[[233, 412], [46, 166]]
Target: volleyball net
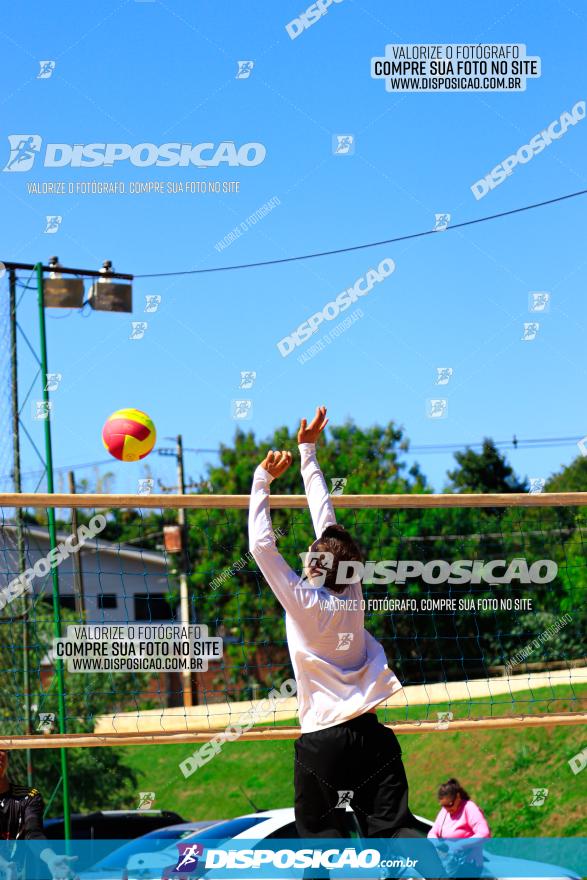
[[117, 625]]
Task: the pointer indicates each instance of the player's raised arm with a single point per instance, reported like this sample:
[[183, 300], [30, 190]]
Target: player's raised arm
[[315, 487], [281, 578]]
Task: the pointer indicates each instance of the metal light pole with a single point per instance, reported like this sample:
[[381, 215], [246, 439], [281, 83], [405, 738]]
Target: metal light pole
[[19, 519], [60, 292], [53, 544]]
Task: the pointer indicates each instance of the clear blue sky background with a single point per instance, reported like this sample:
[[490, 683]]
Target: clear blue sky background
[[165, 71]]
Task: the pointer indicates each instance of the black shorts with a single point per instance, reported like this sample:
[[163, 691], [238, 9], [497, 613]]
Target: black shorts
[[357, 762]]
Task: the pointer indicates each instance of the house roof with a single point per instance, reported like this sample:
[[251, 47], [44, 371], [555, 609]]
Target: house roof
[[97, 546]]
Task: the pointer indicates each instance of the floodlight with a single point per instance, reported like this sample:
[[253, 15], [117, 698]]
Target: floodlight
[[60, 292], [110, 296]]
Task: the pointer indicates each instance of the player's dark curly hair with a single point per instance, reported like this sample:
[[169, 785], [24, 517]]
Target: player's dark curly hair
[[336, 540], [451, 788]]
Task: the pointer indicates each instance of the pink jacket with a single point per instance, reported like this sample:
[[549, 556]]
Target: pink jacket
[[468, 821]]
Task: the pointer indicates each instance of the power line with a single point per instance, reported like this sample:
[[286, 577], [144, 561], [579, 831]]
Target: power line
[[359, 247], [531, 443]]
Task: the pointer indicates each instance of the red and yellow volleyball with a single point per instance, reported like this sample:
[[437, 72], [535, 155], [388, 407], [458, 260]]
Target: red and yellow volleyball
[[129, 434]]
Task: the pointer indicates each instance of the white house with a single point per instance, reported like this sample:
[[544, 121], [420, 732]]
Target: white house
[[121, 583]]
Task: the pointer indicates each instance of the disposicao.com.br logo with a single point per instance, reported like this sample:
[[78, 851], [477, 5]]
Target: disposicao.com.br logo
[[24, 149], [324, 859]]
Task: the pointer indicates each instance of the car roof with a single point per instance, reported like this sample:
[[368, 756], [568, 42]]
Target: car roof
[[282, 815], [185, 826], [95, 814]]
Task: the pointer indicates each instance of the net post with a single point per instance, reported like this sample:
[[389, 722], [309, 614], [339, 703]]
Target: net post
[[53, 545]]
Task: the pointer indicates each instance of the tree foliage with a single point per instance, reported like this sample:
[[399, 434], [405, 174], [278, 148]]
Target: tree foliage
[[102, 778]]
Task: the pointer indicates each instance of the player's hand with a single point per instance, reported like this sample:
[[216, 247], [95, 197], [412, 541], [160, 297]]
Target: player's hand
[[310, 433], [276, 463]]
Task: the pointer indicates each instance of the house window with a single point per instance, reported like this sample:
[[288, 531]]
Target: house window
[[107, 600], [152, 606]]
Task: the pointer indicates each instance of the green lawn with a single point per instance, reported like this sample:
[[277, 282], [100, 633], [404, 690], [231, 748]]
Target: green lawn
[[499, 768]]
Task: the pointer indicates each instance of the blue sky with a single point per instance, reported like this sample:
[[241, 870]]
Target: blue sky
[[157, 72]]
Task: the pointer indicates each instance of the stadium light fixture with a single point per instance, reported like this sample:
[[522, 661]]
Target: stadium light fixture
[[109, 296], [60, 292]]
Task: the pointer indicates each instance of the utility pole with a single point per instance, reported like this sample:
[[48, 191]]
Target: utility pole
[[78, 580], [184, 602], [183, 563]]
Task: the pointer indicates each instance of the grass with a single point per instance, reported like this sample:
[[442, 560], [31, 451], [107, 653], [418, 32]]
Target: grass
[[499, 768]]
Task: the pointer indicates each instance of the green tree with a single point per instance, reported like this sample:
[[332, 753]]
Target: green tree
[[101, 778], [485, 471]]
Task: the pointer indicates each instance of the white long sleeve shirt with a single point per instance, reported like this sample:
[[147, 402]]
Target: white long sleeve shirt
[[341, 670]]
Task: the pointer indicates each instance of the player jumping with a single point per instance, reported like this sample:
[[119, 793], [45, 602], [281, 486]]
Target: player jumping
[[341, 670]]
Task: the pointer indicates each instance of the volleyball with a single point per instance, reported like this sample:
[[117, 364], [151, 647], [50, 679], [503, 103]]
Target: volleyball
[[129, 434]]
